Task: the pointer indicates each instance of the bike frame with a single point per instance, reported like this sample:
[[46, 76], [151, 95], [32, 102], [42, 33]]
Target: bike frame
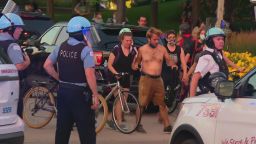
[[116, 87]]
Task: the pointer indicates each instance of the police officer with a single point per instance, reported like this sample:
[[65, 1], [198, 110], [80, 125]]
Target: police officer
[[211, 59], [77, 94], [10, 30]]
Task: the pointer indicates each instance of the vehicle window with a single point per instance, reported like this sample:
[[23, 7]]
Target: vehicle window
[[1, 60], [4, 59], [50, 36], [109, 38], [62, 36], [251, 86]]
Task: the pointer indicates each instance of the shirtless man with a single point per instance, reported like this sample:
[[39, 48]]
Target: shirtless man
[[151, 87]]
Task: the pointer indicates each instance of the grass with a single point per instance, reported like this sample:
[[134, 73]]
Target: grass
[[242, 42], [168, 14]]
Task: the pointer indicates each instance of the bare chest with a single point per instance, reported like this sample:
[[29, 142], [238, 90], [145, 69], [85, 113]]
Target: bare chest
[[152, 55]]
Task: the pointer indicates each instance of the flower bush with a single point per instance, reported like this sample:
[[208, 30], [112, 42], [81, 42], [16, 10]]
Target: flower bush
[[244, 60]]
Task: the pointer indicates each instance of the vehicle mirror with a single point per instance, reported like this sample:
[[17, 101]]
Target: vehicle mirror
[[224, 89], [37, 43]]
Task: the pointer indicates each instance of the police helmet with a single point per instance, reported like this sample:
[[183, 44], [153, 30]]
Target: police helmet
[[77, 24], [124, 30], [211, 33], [10, 19], [215, 78]]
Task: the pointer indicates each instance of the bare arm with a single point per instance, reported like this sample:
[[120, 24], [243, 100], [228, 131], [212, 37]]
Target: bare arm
[[183, 61], [192, 69], [49, 67], [91, 80], [233, 65], [185, 77], [137, 61], [187, 56], [194, 84], [111, 59], [25, 64]]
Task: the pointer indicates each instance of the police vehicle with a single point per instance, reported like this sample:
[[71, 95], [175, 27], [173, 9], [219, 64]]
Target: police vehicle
[[224, 117], [11, 125]]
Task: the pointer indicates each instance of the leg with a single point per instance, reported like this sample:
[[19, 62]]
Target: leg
[[64, 117], [144, 97], [84, 118], [164, 115], [158, 99]]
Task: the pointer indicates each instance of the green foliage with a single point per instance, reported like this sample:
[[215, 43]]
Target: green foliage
[[168, 15], [242, 42]]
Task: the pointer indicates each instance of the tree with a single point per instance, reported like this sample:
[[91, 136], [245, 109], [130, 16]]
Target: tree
[[154, 10], [50, 8], [121, 8], [195, 12]]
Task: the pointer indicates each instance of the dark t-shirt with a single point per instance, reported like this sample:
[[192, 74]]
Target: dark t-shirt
[[123, 63]]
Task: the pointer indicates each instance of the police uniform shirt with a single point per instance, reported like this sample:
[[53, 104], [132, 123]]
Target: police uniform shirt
[[86, 54], [207, 64], [14, 50]]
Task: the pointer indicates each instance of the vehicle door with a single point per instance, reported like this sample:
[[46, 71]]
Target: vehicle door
[[48, 40], [9, 87], [236, 120]]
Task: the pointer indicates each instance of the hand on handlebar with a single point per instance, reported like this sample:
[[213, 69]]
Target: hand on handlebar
[[119, 75]]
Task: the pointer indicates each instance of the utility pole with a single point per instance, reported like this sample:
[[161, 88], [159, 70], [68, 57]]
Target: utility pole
[[50, 9], [220, 12], [195, 12]]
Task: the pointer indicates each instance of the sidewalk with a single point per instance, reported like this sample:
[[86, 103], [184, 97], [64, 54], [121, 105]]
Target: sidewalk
[[154, 134]]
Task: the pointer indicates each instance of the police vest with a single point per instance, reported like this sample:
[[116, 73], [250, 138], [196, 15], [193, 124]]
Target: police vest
[[222, 68], [71, 68], [5, 45]]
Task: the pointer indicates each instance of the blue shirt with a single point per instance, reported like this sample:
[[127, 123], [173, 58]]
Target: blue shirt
[[86, 54], [14, 50]]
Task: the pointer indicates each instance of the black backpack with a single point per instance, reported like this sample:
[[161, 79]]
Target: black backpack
[[188, 44]]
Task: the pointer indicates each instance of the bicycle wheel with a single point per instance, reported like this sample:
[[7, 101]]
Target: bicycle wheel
[[101, 114], [172, 99], [128, 116], [39, 107]]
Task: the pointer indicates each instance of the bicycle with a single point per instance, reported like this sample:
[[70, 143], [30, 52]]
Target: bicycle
[[173, 92], [131, 112], [40, 106]]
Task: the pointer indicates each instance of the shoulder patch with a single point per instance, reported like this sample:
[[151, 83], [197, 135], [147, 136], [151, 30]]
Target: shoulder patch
[[16, 47], [91, 53]]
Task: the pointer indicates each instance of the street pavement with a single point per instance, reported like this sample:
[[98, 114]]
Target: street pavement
[[154, 135]]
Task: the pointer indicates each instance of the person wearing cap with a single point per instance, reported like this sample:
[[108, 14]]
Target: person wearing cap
[[77, 94], [120, 61], [211, 60], [10, 31]]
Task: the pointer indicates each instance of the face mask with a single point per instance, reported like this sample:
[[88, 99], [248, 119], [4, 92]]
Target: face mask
[[172, 42], [202, 37], [152, 46]]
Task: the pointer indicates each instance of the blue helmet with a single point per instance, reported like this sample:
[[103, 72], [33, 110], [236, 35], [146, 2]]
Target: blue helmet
[[4, 23], [211, 33], [77, 24], [13, 19]]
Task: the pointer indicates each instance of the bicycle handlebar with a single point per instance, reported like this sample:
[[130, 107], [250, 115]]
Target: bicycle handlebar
[[122, 74]]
